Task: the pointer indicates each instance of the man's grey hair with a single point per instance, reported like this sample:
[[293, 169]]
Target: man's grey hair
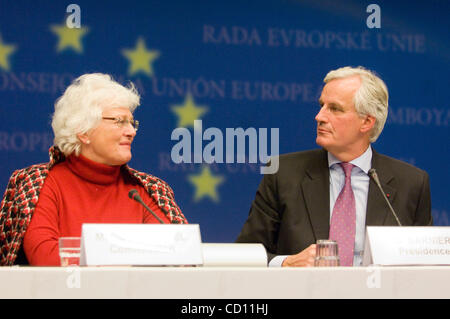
[[370, 99]]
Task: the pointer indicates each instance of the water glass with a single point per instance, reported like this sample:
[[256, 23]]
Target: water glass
[[326, 253], [69, 251]]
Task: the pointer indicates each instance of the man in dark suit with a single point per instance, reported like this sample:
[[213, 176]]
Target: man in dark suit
[[302, 202]]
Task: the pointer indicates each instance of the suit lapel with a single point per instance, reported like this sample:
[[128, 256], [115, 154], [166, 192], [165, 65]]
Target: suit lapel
[[377, 209], [316, 192]]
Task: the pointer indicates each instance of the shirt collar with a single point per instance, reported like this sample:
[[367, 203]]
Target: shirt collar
[[364, 162]]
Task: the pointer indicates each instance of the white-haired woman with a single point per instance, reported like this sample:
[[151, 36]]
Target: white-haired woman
[[87, 179]]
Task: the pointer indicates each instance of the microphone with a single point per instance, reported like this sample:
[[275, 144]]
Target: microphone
[[374, 175], [133, 194]]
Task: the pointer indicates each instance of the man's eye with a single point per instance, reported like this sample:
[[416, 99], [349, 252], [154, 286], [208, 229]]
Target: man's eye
[[335, 109]]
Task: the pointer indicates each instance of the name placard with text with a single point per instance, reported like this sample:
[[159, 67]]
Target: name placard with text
[[386, 245], [141, 244]]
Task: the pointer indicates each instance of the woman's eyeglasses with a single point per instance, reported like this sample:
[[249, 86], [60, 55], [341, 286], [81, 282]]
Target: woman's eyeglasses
[[120, 122]]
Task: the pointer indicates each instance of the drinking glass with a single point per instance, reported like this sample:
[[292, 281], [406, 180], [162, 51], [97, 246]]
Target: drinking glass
[[326, 253], [69, 251]]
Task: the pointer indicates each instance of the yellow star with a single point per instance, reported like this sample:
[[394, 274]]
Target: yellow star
[[69, 37], [188, 112], [140, 58], [5, 51], [205, 184]]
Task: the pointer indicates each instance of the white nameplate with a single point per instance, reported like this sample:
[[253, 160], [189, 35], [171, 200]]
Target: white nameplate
[[407, 245], [141, 244], [234, 255]]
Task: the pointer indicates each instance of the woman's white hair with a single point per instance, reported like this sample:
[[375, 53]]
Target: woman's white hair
[[80, 108], [370, 99]]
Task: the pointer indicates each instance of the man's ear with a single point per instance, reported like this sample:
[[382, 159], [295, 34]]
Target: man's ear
[[368, 123]]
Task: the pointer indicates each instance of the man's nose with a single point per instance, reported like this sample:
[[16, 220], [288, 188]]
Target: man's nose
[[321, 116]]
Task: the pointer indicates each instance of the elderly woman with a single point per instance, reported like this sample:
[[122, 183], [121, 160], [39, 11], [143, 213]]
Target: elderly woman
[[87, 179]]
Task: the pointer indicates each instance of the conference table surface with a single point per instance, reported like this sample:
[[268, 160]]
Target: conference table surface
[[225, 282]]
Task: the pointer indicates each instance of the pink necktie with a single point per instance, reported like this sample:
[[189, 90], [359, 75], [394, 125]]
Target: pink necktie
[[343, 219]]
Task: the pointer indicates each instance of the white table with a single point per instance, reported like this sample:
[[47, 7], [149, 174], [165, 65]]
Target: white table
[[224, 283]]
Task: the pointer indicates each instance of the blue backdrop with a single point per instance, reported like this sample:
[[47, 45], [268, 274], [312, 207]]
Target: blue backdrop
[[249, 64]]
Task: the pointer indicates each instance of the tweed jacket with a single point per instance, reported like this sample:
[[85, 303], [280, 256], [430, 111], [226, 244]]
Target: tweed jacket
[[22, 195]]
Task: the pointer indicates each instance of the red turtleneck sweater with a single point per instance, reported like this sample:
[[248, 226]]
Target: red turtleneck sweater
[[79, 191]]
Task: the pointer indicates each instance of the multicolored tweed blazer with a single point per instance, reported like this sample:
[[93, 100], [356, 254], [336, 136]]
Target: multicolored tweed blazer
[[22, 194]]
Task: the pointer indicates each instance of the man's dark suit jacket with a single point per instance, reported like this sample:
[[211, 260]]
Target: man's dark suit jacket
[[291, 209]]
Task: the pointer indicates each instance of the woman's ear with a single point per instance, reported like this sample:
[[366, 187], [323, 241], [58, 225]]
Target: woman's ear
[[84, 138]]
